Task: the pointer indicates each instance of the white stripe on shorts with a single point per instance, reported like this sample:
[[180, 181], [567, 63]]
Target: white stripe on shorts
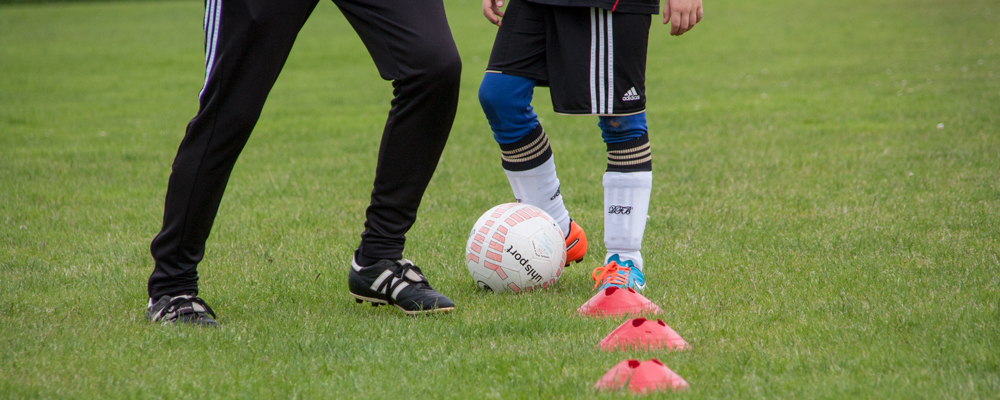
[[602, 55], [212, 10], [601, 61], [611, 66]]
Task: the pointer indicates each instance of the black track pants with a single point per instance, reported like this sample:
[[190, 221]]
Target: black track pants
[[247, 43]]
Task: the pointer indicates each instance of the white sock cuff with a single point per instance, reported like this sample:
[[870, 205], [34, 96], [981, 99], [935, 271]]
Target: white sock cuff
[[546, 168], [640, 179]]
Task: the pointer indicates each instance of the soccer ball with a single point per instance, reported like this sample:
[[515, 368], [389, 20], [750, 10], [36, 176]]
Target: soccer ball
[[515, 247]]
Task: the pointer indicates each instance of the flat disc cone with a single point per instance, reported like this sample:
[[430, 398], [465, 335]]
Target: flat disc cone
[[614, 302], [641, 377], [641, 333]]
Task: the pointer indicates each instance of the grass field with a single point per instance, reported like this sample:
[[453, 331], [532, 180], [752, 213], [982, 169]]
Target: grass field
[[824, 223]]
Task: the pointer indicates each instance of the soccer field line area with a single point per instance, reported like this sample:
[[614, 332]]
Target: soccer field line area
[[823, 222]]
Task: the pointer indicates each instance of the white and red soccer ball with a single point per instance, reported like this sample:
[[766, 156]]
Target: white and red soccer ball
[[515, 247]]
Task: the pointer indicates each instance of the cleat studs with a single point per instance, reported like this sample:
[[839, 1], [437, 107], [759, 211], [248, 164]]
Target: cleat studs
[[358, 301], [374, 304]]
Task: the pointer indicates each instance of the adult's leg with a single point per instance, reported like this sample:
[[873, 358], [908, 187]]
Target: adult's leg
[[412, 45], [246, 45]]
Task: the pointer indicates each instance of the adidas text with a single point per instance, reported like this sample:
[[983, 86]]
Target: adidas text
[[631, 95]]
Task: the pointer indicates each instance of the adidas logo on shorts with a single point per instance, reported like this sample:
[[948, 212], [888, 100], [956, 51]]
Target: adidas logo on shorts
[[631, 95]]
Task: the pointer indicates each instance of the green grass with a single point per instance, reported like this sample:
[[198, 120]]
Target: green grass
[[813, 233]]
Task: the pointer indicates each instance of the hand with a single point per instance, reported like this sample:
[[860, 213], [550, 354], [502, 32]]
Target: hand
[[491, 9], [683, 14]]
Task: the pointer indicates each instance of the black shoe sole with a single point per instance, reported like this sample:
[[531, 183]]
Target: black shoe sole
[[377, 302], [578, 260]]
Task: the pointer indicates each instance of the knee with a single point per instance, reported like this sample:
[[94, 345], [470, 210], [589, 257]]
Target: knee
[[506, 101], [438, 66], [447, 66], [505, 92], [618, 129]]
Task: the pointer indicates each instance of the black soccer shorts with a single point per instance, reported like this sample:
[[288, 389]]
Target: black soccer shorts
[[593, 60]]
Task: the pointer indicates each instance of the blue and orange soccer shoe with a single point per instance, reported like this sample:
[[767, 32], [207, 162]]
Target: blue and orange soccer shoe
[[620, 274], [576, 243]]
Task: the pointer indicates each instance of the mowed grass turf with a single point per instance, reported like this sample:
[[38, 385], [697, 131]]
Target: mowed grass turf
[[824, 220]]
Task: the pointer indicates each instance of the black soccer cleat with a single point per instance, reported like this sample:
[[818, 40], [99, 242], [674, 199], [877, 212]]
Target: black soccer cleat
[[398, 283], [185, 309]]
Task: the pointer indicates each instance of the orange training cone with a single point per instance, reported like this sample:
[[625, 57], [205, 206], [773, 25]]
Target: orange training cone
[[641, 377], [641, 333], [614, 302]]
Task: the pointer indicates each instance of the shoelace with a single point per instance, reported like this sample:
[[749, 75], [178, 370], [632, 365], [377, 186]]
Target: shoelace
[[398, 277], [609, 274], [179, 301]]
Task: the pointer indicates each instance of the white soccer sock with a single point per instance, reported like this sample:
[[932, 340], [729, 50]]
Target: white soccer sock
[[626, 204], [539, 187]]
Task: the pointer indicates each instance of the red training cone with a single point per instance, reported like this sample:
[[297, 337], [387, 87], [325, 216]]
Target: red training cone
[[645, 334], [646, 376], [614, 302]]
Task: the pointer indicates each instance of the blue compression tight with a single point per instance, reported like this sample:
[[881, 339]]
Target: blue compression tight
[[506, 101], [617, 129]]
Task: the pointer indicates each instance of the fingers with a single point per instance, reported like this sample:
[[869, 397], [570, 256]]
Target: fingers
[[682, 15], [491, 10], [681, 24], [491, 17]]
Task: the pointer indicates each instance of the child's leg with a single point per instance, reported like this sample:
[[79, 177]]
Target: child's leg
[[526, 155], [627, 186]]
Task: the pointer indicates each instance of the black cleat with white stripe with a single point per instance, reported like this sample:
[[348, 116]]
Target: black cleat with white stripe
[[398, 283], [184, 309]]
